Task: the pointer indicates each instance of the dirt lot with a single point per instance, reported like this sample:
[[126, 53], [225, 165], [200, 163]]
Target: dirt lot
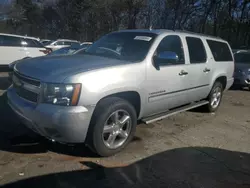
[[191, 149]]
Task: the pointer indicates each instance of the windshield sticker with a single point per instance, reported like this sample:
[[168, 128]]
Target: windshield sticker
[[145, 38]]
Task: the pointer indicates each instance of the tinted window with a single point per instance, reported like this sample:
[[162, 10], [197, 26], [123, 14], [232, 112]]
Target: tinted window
[[85, 45], [220, 51], [75, 43], [67, 43], [48, 43], [59, 43], [242, 58], [38, 44], [130, 46], [196, 49], [172, 43], [32, 43], [9, 41]]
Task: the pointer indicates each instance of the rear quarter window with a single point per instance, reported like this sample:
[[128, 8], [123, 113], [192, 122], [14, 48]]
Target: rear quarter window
[[10, 41], [220, 50]]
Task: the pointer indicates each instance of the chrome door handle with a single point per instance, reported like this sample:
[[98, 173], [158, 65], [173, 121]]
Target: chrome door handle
[[183, 73], [206, 70]]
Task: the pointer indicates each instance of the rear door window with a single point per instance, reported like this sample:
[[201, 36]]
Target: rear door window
[[10, 41], [196, 49], [220, 51]]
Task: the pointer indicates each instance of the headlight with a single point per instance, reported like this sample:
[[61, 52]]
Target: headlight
[[61, 94], [241, 72]]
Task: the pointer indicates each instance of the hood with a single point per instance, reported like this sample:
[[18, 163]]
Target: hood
[[57, 68], [242, 66]]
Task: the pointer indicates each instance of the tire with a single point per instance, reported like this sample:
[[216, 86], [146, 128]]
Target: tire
[[210, 107], [105, 111]]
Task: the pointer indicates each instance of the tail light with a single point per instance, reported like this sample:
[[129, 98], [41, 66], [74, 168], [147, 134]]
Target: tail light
[[46, 51]]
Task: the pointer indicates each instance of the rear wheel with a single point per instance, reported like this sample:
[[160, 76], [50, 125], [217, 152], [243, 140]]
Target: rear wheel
[[214, 97], [112, 127]]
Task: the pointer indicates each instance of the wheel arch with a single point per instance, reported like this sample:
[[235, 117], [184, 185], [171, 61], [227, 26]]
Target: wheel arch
[[133, 97], [222, 79]]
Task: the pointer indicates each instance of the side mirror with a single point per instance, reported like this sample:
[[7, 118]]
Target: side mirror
[[166, 57]]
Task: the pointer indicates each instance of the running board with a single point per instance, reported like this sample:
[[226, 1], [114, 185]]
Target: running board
[[163, 115]]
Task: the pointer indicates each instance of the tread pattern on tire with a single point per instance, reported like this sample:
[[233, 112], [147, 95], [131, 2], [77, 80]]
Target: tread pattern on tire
[[103, 108], [208, 107]]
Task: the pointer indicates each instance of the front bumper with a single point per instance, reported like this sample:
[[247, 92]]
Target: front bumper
[[59, 123]]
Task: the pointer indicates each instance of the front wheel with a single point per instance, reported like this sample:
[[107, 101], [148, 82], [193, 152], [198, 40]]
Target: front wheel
[[112, 126], [214, 97]]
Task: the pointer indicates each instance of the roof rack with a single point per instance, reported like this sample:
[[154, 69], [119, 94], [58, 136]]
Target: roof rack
[[201, 34]]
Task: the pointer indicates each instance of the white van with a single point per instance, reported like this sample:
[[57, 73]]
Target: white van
[[16, 47]]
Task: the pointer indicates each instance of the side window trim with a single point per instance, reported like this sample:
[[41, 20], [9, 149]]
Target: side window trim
[[203, 44], [182, 47]]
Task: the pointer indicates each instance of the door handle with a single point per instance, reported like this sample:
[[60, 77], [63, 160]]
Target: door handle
[[183, 73], [206, 70]]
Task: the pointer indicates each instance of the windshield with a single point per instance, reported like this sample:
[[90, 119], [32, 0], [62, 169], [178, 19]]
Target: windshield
[[85, 45], [129, 46], [45, 42], [242, 58], [48, 43]]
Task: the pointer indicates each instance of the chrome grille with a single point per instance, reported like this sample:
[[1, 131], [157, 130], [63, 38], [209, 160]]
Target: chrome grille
[[26, 87]]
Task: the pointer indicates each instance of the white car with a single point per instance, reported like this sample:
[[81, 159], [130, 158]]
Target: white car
[[61, 43], [16, 47]]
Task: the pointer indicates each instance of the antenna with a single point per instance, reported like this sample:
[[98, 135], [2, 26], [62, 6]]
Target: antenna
[[150, 27]]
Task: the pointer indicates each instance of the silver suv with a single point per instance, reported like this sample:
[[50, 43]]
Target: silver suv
[[96, 97]]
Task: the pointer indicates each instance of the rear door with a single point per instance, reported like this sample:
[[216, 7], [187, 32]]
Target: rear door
[[33, 48], [199, 68], [10, 49]]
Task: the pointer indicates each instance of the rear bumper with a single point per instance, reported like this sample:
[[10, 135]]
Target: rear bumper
[[59, 123]]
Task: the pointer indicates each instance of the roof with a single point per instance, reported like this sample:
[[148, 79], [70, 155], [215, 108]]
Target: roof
[[86, 43], [67, 40], [20, 36], [163, 31]]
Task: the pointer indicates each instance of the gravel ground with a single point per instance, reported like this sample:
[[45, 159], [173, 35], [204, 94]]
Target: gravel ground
[[191, 149]]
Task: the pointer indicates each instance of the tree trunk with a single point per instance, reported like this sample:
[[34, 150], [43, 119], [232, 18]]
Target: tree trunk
[[244, 3]]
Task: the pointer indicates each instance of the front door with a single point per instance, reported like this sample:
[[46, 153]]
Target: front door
[[167, 83]]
